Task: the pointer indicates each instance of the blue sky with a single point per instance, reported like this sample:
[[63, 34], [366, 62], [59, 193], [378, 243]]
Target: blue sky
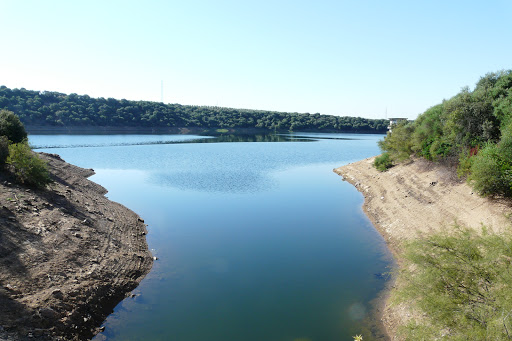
[[355, 58]]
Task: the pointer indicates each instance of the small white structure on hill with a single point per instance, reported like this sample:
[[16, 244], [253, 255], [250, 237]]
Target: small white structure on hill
[[394, 121]]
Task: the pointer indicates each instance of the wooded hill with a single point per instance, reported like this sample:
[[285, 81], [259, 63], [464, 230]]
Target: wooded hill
[[45, 108]]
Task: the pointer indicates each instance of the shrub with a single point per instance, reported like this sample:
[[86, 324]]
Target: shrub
[[383, 162], [27, 167], [11, 126], [505, 144], [4, 150], [465, 163], [490, 172], [461, 281], [399, 143]]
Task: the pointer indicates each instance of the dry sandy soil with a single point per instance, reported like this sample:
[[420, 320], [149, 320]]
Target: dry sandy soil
[[416, 199], [68, 256]]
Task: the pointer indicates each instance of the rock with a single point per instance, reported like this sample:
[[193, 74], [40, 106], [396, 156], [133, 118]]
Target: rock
[[48, 313], [57, 293]]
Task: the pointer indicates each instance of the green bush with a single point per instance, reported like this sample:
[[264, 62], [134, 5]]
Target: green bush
[[399, 143], [383, 162], [465, 163], [4, 150], [461, 282], [491, 172], [505, 144], [428, 129], [11, 126], [27, 167]]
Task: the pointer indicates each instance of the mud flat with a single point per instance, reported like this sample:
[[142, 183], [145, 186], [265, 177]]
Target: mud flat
[[416, 199], [68, 256]]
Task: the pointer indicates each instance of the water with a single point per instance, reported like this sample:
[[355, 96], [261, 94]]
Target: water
[[256, 240]]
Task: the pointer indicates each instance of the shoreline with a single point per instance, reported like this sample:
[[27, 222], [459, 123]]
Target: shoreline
[[68, 256], [213, 131], [411, 201]]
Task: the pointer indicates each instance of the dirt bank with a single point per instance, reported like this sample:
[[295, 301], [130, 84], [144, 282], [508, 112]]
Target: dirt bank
[[415, 199], [68, 255]]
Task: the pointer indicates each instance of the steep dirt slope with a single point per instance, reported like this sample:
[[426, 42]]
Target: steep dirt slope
[[68, 255]]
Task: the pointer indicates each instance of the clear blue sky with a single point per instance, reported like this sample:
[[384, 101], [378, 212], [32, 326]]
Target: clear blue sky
[[353, 58]]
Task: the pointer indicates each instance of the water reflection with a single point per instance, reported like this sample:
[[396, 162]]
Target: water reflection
[[88, 141], [215, 181]]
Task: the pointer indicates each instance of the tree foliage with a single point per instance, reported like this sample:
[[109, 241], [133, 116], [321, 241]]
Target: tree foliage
[[461, 281], [11, 127], [474, 127], [398, 144], [57, 109], [4, 150]]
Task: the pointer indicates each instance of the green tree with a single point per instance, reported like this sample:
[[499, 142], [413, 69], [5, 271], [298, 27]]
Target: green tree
[[399, 142], [4, 150], [11, 127]]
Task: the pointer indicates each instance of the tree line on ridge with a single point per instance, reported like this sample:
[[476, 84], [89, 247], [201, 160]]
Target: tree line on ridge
[[46, 108]]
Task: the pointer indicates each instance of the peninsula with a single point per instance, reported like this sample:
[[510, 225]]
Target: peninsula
[[68, 255]]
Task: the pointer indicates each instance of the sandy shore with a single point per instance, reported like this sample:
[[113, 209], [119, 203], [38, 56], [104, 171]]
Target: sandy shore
[[416, 199], [68, 256]]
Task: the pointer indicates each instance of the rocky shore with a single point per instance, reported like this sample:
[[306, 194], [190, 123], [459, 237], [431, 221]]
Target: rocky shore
[[415, 199], [68, 256]]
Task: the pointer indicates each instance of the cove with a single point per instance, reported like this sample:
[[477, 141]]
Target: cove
[[256, 237]]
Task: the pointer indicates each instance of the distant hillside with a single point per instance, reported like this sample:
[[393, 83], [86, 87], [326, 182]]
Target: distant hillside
[[53, 109]]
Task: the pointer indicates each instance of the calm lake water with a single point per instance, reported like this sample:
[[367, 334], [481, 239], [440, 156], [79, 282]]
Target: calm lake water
[[256, 237]]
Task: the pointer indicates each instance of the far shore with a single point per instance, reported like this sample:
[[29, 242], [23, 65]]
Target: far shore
[[413, 200], [112, 130]]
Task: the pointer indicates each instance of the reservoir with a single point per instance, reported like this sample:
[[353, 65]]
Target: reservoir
[[256, 238]]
